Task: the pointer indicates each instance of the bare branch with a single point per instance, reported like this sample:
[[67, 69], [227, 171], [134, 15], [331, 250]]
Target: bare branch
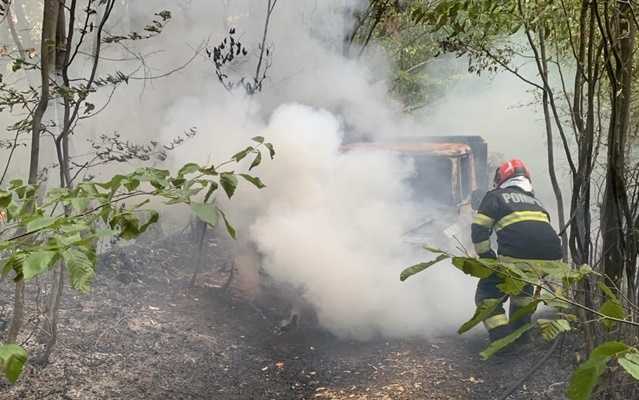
[[269, 11]]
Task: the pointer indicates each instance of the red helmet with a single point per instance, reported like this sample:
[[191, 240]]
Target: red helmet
[[509, 170]]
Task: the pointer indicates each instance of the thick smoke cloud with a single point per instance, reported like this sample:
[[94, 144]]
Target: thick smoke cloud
[[331, 224], [334, 228]]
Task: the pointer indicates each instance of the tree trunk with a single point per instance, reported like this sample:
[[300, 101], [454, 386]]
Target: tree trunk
[[18, 312], [550, 147], [619, 248], [50, 328], [627, 45], [54, 298], [48, 51], [47, 62]]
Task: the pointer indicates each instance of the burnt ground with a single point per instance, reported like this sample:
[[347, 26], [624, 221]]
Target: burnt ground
[[141, 334]]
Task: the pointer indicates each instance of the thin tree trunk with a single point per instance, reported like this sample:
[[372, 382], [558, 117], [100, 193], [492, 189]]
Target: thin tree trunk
[[18, 312], [53, 307], [258, 70], [47, 62], [580, 201], [580, 231], [627, 44], [550, 150], [48, 51], [50, 329], [619, 248]]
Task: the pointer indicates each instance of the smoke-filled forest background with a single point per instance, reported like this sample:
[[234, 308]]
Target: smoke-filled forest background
[[348, 211], [128, 117]]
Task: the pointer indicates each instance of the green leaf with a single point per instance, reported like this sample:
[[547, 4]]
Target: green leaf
[[12, 360], [271, 150], [586, 270], [550, 329], [71, 228], [5, 198], [607, 291], [80, 203], [515, 28], [240, 156], [525, 310], [212, 188], [434, 249], [417, 268], [17, 65], [207, 212], [153, 217], [500, 344], [156, 177], [229, 183], [15, 183], [551, 269], [81, 266], [586, 376], [68, 240], [630, 363], [551, 300], [105, 233], [229, 228], [177, 182], [484, 310], [256, 161], [113, 184], [40, 223], [613, 309], [569, 317], [209, 170], [128, 223], [254, 180], [131, 184], [472, 266], [89, 188], [37, 262], [511, 286], [258, 139], [188, 169], [13, 263]]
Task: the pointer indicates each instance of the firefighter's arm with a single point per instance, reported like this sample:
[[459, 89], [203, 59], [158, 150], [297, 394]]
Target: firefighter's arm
[[482, 226]]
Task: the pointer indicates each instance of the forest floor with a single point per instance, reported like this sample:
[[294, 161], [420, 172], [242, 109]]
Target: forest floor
[[142, 334]]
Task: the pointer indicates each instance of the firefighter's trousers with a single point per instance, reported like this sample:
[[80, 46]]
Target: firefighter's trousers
[[498, 324]]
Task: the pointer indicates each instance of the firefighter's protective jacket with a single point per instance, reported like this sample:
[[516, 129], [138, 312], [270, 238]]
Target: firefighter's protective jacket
[[521, 223]]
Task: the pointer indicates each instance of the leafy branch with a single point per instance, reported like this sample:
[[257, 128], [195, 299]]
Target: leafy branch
[[95, 211], [515, 275]]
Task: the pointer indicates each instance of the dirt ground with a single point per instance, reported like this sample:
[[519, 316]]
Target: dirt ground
[[141, 334]]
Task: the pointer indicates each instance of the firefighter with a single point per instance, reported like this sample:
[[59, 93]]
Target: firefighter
[[523, 230]]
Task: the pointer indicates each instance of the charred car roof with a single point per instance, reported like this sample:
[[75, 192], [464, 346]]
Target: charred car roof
[[436, 149]]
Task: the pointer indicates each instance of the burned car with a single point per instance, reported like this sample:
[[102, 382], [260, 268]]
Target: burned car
[[450, 172]]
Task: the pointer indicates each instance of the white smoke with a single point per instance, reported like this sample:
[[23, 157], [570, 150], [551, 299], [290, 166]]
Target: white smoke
[[332, 222], [334, 226]]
